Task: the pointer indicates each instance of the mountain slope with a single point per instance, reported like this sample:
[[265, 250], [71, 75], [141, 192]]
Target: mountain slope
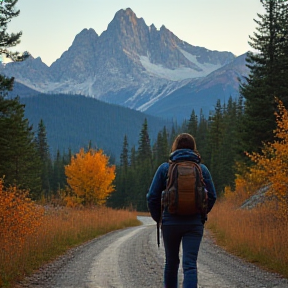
[[201, 93], [72, 121]]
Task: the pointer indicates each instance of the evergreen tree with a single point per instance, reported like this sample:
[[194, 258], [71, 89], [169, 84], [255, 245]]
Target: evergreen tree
[[193, 125], [44, 155], [56, 178], [263, 82], [228, 146], [120, 197], [282, 62], [7, 40], [161, 149], [124, 157], [144, 167], [19, 160], [173, 134], [59, 180], [213, 160], [144, 149], [201, 141]]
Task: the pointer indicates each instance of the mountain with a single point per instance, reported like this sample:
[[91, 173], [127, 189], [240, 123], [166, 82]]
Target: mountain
[[72, 121], [134, 65], [201, 93]]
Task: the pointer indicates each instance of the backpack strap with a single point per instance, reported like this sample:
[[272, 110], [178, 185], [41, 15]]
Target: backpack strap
[[172, 165], [200, 173]]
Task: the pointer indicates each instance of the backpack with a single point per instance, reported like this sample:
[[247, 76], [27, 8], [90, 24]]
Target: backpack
[[185, 192]]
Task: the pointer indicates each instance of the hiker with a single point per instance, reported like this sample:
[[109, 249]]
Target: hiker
[[175, 228]]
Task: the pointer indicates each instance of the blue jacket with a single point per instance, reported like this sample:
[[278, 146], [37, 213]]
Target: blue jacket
[[159, 184]]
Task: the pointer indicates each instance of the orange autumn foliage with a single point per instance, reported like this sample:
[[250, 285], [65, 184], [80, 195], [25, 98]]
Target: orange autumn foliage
[[271, 166], [19, 217], [90, 178]]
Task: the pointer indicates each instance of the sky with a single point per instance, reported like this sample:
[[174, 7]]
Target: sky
[[50, 26]]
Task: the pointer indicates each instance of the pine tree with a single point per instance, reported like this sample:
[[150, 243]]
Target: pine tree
[[7, 40], [59, 179], [144, 149], [56, 177], [44, 155], [119, 198], [263, 82], [18, 154], [8, 11], [133, 160], [213, 160], [201, 141], [19, 159], [161, 149], [228, 145], [124, 157], [283, 52], [144, 168], [192, 126]]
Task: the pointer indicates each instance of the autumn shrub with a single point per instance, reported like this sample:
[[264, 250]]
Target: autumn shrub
[[271, 165], [19, 219]]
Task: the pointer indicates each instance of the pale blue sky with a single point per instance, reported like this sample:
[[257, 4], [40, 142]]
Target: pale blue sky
[[50, 26]]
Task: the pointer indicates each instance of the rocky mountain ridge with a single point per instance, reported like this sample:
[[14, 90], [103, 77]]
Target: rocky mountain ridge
[[130, 64]]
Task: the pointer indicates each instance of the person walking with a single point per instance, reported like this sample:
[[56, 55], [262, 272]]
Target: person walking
[[187, 229]]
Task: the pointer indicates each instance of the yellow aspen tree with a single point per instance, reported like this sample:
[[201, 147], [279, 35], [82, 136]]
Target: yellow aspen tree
[[90, 177]]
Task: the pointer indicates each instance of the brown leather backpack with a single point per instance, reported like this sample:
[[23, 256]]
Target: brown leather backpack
[[185, 192]]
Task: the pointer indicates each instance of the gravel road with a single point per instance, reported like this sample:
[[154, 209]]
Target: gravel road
[[130, 258]]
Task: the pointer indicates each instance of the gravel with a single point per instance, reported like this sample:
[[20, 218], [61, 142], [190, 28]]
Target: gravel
[[130, 258]]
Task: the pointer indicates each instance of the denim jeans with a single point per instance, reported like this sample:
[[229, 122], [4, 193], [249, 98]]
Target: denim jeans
[[191, 236]]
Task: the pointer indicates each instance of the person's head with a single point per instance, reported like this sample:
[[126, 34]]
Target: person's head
[[184, 141]]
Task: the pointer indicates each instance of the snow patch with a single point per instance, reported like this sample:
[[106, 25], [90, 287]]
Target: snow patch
[[180, 73], [164, 93], [206, 68], [159, 71]]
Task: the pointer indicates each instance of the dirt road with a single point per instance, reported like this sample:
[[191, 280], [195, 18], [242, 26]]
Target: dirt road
[[130, 258]]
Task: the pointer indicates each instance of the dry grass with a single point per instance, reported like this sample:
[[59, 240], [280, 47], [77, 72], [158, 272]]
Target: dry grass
[[257, 235], [60, 230]]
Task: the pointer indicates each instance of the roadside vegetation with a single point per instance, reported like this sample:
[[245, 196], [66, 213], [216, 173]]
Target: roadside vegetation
[[259, 233], [256, 235], [32, 234]]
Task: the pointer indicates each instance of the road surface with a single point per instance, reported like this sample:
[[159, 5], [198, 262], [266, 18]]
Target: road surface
[[130, 258]]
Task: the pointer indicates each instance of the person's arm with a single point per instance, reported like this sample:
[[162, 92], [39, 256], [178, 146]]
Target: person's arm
[[212, 196], [155, 191]]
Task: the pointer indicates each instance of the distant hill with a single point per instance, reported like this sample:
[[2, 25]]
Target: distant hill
[[72, 121], [22, 90]]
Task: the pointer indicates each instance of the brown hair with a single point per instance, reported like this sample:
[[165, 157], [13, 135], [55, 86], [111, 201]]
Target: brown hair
[[184, 141]]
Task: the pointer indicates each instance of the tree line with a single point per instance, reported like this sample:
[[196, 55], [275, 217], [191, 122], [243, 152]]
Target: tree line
[[216, 140]]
